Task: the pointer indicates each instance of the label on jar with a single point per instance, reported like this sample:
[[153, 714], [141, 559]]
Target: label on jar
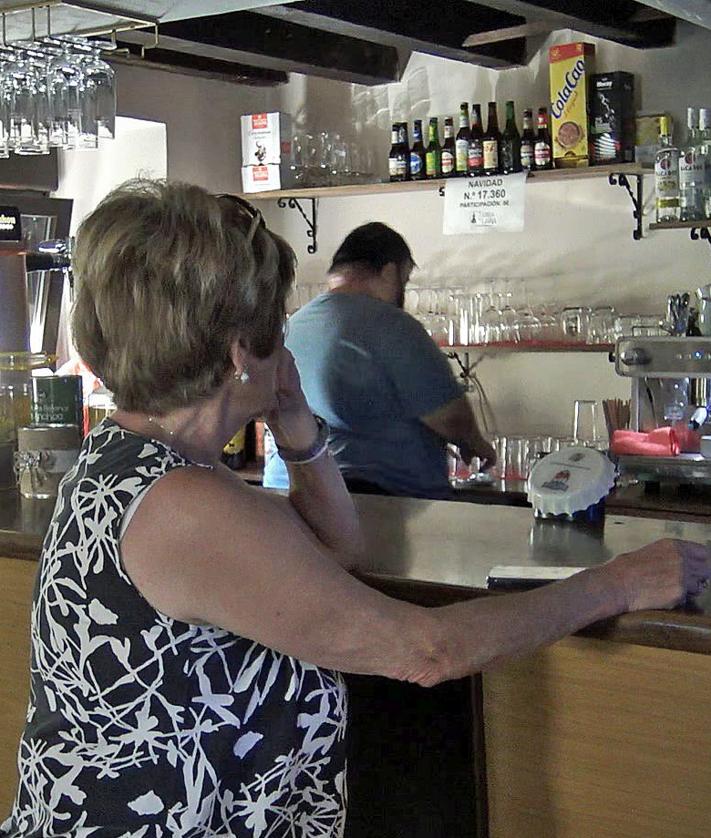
[[491, 155], [447, 162]]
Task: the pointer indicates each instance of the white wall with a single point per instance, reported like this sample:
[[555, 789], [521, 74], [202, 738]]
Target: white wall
[[577, 246]]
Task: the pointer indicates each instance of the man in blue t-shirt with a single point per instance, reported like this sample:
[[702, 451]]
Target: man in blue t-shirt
[[374, 374]]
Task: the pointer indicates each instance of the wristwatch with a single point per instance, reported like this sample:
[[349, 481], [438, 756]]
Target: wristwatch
[[307, 455]]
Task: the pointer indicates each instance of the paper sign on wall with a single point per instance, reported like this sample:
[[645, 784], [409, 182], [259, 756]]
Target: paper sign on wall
[[484, 204]]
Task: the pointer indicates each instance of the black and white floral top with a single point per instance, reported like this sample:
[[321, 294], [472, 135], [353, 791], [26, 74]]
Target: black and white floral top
[[142, 725]]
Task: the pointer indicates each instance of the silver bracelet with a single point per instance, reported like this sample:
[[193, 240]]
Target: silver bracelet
[[313, 452]]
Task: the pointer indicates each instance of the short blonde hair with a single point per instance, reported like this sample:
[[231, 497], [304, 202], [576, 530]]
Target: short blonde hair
[[168, 277]]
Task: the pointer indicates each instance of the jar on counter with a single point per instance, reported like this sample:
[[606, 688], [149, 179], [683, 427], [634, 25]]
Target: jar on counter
[[45, 453], [15, 404]]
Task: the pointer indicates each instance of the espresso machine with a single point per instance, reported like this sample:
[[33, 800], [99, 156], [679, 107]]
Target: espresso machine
[[670, 381]]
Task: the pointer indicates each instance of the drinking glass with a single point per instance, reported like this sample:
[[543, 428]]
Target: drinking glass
[[576, 321], [585, 423], [602, 324], [65, 84], [516, 463], [99, 94]]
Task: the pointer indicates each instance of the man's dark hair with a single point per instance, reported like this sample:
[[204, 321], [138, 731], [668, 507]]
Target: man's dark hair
[[373, 246]]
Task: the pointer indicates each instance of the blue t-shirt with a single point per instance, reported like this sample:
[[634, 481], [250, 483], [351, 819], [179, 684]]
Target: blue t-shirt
[[371, 371]]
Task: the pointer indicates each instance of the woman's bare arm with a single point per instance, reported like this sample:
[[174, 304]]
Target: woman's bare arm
[[225, 555]]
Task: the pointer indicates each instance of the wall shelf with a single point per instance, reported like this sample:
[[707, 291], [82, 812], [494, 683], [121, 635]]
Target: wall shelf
[[354, 190], [531, 347], [680, 225]]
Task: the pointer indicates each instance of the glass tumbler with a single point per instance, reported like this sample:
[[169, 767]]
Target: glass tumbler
[[585, 423]]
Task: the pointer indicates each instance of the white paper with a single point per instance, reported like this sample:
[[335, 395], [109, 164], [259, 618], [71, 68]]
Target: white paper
[[484, 204]]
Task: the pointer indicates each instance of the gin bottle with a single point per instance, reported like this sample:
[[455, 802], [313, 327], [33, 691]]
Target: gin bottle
[[691, 172], [705, 151], [666, 174]]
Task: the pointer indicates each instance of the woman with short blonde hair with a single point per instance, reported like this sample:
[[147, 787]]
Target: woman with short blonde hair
[[187, 629]]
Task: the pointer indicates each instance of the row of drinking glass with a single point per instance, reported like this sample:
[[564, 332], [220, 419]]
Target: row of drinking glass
[[55, 93], [455, 318], [326, 159]]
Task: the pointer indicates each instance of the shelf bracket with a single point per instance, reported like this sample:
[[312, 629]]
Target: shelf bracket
[[311, 222], [623, 180], [697, 233]]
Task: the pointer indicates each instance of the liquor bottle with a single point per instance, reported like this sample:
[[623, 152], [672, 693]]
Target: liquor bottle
[[705, 146], [528, 141], [510, 143], [492, 143], [433, 155], [691, 172], [462, 140], [395, 163], [449, 149], [543, 148], [417, 153], [666, 174], [475, 160]]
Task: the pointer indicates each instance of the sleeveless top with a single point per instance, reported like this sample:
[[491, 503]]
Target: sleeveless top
[[142, 726]]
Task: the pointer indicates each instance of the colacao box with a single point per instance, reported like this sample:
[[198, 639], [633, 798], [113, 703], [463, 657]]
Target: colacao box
[[612, 125], [266, 138], [570, 70], [266, 178]]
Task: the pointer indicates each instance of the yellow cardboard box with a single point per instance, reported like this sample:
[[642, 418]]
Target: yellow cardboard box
[[570, 70]]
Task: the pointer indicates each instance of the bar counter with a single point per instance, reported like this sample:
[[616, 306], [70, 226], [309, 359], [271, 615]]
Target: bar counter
[[574, 740]]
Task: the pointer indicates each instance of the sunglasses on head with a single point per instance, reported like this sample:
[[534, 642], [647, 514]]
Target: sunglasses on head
[[249, 210]]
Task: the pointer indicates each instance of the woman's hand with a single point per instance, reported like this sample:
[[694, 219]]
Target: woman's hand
[[290, 421]]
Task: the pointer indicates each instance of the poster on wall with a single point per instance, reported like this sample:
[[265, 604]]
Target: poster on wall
[[484, 204]]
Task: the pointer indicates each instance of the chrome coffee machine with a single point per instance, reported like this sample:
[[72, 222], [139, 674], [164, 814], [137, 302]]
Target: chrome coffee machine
[[670, 385]]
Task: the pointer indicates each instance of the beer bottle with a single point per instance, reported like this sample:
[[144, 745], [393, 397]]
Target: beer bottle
[[528, 141], [475, 163], [404, 159], [492, 143], [462, 140], [449, 150], [433, 155], [417, 153], [397, 161], [510, 143], [543, 149]]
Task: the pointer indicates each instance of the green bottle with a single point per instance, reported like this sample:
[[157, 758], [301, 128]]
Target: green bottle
[[433, 155]]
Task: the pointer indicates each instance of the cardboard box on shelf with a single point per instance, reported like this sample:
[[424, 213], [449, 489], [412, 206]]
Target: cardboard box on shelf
[[266, 138], [647, 137], [570, 70], [612, 124], [268, 177]]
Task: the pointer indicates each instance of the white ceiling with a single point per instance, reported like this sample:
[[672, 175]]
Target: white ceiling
[[84, 16]]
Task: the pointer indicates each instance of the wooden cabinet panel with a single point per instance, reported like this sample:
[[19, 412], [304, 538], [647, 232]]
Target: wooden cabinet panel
[[591, 739], [17, 578]]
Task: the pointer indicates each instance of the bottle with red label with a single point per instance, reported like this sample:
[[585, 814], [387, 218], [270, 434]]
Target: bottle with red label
[[475, 159], [543, 149]]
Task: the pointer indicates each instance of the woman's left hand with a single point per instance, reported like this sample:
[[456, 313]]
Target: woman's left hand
[[290, 421]]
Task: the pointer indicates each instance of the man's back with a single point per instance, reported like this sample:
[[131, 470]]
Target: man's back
[[371, 371]]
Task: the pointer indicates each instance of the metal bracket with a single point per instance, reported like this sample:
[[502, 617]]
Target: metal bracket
[[311, 223], [697, 233], [466, 368], [621, 179]]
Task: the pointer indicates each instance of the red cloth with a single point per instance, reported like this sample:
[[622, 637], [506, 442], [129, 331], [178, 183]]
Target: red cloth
[[661, 442]]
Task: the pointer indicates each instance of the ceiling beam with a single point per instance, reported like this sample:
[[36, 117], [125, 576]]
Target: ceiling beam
[[525, 30], [697, 12], [396, 24], [601, 20], [244, 39]]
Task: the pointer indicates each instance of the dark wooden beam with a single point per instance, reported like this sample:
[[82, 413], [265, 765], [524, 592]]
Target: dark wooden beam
[[251, 39], [187, 62], [612, 21], [697, 12], [421, 27]]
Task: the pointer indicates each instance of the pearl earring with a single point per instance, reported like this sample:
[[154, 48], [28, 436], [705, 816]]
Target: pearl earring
[[242, 377]]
